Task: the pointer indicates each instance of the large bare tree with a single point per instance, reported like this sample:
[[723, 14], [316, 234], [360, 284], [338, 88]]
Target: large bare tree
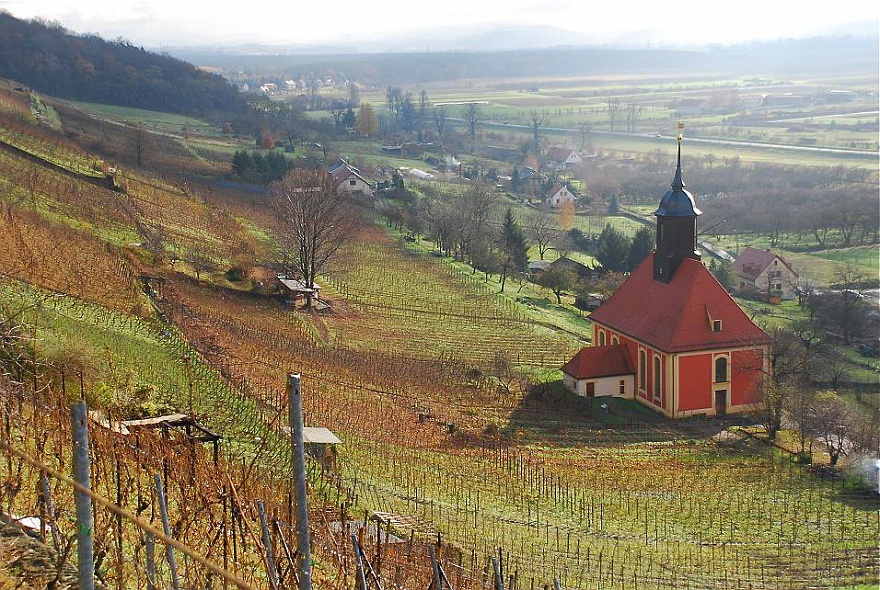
[[315, 222], [471, 116]]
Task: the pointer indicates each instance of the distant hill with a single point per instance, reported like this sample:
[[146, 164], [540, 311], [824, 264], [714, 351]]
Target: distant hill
[[401, 64], [54, 61]]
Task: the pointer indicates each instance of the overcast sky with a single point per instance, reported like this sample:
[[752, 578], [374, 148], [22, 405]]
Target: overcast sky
[[154, 23]]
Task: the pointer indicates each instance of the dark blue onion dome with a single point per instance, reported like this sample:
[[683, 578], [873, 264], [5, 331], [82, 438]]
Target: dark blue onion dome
[[678, 202]]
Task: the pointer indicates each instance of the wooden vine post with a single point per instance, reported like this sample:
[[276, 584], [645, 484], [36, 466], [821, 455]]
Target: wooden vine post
[[294, 395], [84, 522]]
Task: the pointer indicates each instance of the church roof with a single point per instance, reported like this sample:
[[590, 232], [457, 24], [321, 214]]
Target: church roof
[[681, 315], [677, 202], [593, 362]]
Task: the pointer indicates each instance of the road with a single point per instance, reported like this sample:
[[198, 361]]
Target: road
[[708, 141]]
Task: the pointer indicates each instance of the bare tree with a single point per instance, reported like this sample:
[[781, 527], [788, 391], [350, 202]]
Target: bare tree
[[790, 365], [472, 118], [585, 130], [439, 117], [537, 120], [834, 420], [612, 107], [633, 114], [315, 222], [542, 231]]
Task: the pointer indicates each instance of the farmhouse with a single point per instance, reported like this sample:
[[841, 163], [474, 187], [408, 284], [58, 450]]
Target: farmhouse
[[560, 158], [760, 272], [349, 179], [559, 195], [691, 348]]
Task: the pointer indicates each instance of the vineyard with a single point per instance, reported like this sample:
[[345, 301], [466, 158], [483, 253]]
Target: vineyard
[[456, 438]]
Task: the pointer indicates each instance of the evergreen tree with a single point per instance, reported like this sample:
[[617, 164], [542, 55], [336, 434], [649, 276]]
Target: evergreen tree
[[349, 120], [642, 244], [242, 165], [512, 247], [612, 249]]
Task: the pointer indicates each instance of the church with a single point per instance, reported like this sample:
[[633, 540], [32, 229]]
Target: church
[[671, 337]]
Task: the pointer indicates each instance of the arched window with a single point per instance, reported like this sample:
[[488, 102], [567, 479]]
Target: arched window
[[614, 340], [643, 369], [721, 369], [601, 338], [657, 377]]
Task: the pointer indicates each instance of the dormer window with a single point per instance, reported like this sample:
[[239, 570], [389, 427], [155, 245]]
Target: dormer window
[[716, 325]]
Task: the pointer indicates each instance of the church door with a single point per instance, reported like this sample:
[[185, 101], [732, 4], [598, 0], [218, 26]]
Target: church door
[[720, 402], [591, 389]]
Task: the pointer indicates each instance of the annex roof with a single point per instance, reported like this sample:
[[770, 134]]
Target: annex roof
[[593, 362], [678, 316]]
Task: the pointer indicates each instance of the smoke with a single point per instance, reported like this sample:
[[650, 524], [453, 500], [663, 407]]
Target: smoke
[[867, 469]]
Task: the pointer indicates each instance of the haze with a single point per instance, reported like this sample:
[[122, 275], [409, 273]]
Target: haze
[[350, 23]]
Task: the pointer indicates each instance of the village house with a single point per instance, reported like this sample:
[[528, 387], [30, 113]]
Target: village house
[[559, 195], [560, 158], [762, 273], [691, 348], [349, 179]]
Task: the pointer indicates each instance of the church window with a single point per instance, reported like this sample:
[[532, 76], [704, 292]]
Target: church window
[[721, 369], [601, 338], [614, 340], [642, 369], [657, 377]]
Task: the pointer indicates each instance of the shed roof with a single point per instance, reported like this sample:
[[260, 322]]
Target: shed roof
[[297, 286], [317, 435]]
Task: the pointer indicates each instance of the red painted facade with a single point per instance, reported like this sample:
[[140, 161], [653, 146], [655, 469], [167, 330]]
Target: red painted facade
[[703, 367]]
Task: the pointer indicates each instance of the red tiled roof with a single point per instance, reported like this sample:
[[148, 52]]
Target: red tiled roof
[[678, 316], [593, 362], [559, 154], [752, 261]]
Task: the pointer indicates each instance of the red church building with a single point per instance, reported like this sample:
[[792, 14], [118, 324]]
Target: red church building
[[691, 348]]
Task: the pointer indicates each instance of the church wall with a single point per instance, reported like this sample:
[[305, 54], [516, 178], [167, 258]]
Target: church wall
[[746, 376], [695, 383]]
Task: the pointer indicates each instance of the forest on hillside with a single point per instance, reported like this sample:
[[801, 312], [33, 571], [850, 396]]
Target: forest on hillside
[[54, 61]]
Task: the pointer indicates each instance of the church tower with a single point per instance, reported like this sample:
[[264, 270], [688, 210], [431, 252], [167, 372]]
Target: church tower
[[676, 227]]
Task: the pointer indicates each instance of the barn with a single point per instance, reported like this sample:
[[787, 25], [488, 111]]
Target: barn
[[692, 349]]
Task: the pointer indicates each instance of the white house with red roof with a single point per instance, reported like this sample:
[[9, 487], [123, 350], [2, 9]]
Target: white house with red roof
[[761, 272], [349, 179], [559, 195], [691, 347], [559, 157], [598, 371]]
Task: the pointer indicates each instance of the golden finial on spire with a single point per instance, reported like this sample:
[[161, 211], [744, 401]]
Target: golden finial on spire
[[680, 127]]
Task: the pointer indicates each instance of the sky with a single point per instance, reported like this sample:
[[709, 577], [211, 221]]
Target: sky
[[157, 23]]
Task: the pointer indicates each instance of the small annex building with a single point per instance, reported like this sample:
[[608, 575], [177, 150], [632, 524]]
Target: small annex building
[[691, 348], [598, 371]]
